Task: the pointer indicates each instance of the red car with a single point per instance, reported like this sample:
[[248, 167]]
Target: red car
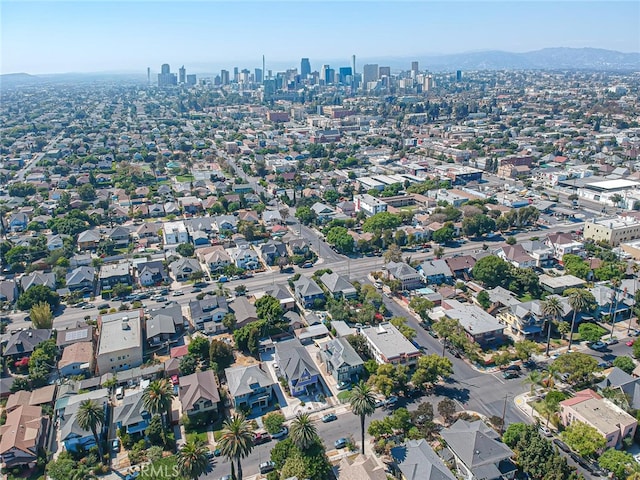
[[631, 342], [261, 438]]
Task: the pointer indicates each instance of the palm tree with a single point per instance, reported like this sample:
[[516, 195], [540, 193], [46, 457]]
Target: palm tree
[[303, 431], [192, 460], [157, 399], [563, 328], [579, 301], [90, 417], [534, 378], [236, 441], [363, 403], [552, 309]]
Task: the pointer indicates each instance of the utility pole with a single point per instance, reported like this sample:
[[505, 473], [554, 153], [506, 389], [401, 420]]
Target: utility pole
[[504, 412]]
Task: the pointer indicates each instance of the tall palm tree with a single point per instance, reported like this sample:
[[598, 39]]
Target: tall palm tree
[[615, 283], [552, 309], [90, 417], [363, 404], [157, 399], [303, 432], [236, 441], [192, 460], [579, 301], [534, 378]]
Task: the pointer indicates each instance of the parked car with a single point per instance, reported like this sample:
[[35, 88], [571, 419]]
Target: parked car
[[88, 306], [329, 417], [260, 438], [306, 265], [391, 402], [379, 403], [178, 293], [561, 445], [281, 434], [103, 306], [545, 431], [267, 467], [634, 333], [196, 290], [631, 342], [597, 346], [509, 374], [515, 368], [611, 341], [340, 443], [343, 385], [605, 364]]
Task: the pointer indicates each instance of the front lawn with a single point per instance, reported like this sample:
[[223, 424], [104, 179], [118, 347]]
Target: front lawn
[[197, 436]]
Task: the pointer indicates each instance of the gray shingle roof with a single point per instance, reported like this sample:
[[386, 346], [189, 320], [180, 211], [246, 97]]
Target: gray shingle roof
[[337, 284], [294, 359], [240, 379], [131, 410], [306, 287], [417, 461]]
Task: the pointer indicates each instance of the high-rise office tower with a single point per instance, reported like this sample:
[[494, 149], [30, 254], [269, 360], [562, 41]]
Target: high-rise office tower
[[182, 74], [191, 79], [414, 69], [324, 73], [369, 74], [236, 74], [224, 77], [458, 75], [305, 67], [258, 75], [166, 78], [149, 75], [384, 72], [344, 74], [354, 81]]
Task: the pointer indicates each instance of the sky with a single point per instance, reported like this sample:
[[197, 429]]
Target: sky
[[39, 37]]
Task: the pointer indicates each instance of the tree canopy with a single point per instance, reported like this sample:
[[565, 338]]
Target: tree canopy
[[37, 294], [381, 221]]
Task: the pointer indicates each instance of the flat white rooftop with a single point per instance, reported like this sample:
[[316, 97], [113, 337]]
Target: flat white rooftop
[[613, 184]]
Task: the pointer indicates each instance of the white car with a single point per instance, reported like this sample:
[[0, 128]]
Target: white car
[[178, 293]]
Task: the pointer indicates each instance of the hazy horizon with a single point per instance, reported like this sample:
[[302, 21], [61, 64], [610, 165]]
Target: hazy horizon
[[51, 37]]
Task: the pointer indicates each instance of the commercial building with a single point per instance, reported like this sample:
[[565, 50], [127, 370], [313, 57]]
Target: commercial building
[[369, 204], [612, 231], [388, 345], [120, 341]]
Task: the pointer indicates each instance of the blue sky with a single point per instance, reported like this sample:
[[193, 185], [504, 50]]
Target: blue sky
[[94, 36]]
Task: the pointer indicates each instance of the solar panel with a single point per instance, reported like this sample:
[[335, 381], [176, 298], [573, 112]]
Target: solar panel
[[76, 335]]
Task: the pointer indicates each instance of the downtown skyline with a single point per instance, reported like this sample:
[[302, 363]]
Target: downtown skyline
[[60, 37]]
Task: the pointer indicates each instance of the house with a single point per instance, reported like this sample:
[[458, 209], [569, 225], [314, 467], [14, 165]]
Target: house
[[307, 292], [272, 250], [209, 309], [82, 333], [216, 260], [81, 279], [77, 359], [323, 212], [114, 273], [23, 343], [388, 345], [250, 386], [461, 266], [72, 436], [244, 257], [524, 319], [88, 240], [563, 244], [8, 291], [479, 326], [38, 278], [151, 273], [54, 242], [183, 268], [610, 302], [624, 383], [557, 285], [611, 421], [271, 217], [338, 286], [298, 246], [175, 232], [294, 320], [198, 393], [283, 295], [539, 251], [131, 414], [360, 468], [118, 235], [341, 360], [516, 255], [313, 332], [296, 367], [244, 311], [435, 272], [416, 460], [478, 452], [37, 398], [18, 222], [227, 223], [120, 341], [408, 276], [23, 436], [160, 328], [346, 207]]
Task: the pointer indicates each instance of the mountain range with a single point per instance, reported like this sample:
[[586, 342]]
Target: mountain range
[[546, 59]]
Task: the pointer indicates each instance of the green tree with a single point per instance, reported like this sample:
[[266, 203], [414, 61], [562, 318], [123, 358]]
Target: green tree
[[305, 215], [443, 235], [273, 422], [483, 299], [513, 434], [624, 363], [221, 355], [430, 369], [447, 409], [21, 189], [340, 238], [192, 460], [236, 440], [229, 321], [584, 439], [620, 463], [590, 332], [392, 254], [90, 417], [157, 399], [41, 315], [37, 294], [188, 365], [552, 310], [186, 249], [199, 348], [381, 221], [303, 432], [401, 324], [491, 270], [422, 306], [525, 348], [575, 265], [268, 308], [363, 404], [577, 365], [86, 192], [579, 300], [446, 328], [478, 225], [120, 290]]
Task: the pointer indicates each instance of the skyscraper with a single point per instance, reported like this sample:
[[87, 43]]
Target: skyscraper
[[414, 69], [258, 75], [384, 72], [458, 75], [166, 78], [182, 74], [165, 68], [345, 74], [305, 68], [369, 74], [324, 74], [191, 79], [224, 77], [149, 75]]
